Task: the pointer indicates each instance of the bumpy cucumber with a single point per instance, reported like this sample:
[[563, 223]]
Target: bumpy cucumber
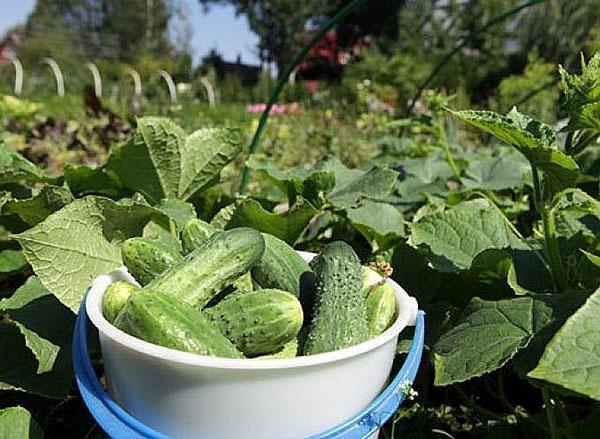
[[339, 319], [165, 320], [258, 322], [289, 350], [146, 259], [115, 298], [214, 265], [195, 232], [281, 267], [381, 308]]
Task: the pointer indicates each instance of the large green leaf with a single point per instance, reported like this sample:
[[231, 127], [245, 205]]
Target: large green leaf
[[17, 422], [36, 338], [488, 335], [380, 223], [167, 163], [571, 358], [287, 226], [505, 170], [455, 237], [561, 306], [535, 140], [36, 209], [204, 154], [81, 241], [83, 180], [375, 183]]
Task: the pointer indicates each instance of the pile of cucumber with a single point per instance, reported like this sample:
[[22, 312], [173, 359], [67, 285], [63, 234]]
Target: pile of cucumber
[[240, 293]]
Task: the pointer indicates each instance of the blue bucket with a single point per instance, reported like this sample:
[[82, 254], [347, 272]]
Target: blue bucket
[[117, 423]]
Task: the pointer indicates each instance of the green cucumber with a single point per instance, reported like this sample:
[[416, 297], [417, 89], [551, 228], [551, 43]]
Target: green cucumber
[[164, 320], [381, 308], [223, 258], [258, 322], [195, 232], [146, 259], [115, 298], [371, 280], [339, 318], [289, 350], [281, 267]]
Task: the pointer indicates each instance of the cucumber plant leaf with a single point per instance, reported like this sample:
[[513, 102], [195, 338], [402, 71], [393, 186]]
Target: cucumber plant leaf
[[36, 339], [454, 238], [83, 180], [34, 210], [380, 223], [534, 139], [571, 358], [81, 241], [487, 336], [17, 422], [160, 161], [287, 225], [505, 170]]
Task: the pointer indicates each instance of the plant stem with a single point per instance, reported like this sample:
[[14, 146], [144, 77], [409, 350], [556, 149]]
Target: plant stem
[[569, 142], [552, 250], [447, 152], [548, 406], [550, 243]]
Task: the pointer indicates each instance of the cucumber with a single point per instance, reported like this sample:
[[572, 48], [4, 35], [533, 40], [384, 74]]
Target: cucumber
[[340, 318], [115, 298], [371, 280], [282, 268], [381, 308], [195, 232], [164, 320], [289, 350], [223, 258], [258, 322], [146, 259]]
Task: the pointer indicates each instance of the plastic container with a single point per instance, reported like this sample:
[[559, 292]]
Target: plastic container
[[184, 395]]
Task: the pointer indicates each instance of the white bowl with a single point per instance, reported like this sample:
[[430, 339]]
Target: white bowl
[[186, 395]]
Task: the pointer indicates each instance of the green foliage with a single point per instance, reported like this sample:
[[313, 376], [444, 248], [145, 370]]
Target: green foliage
[[499, 243]]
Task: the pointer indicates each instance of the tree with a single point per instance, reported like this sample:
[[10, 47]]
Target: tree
[[117, 29], [281, 24]]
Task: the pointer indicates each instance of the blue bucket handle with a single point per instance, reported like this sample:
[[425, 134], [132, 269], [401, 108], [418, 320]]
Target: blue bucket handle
[[117, 423]]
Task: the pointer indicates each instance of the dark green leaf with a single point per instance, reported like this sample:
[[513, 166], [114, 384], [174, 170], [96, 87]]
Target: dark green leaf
[[455, 237], [487, 336], [287, 226], [571, 358], [36, 209], [380, 223]]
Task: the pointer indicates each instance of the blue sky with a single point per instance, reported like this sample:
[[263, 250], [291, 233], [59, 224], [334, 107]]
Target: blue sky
[[219, 28]]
